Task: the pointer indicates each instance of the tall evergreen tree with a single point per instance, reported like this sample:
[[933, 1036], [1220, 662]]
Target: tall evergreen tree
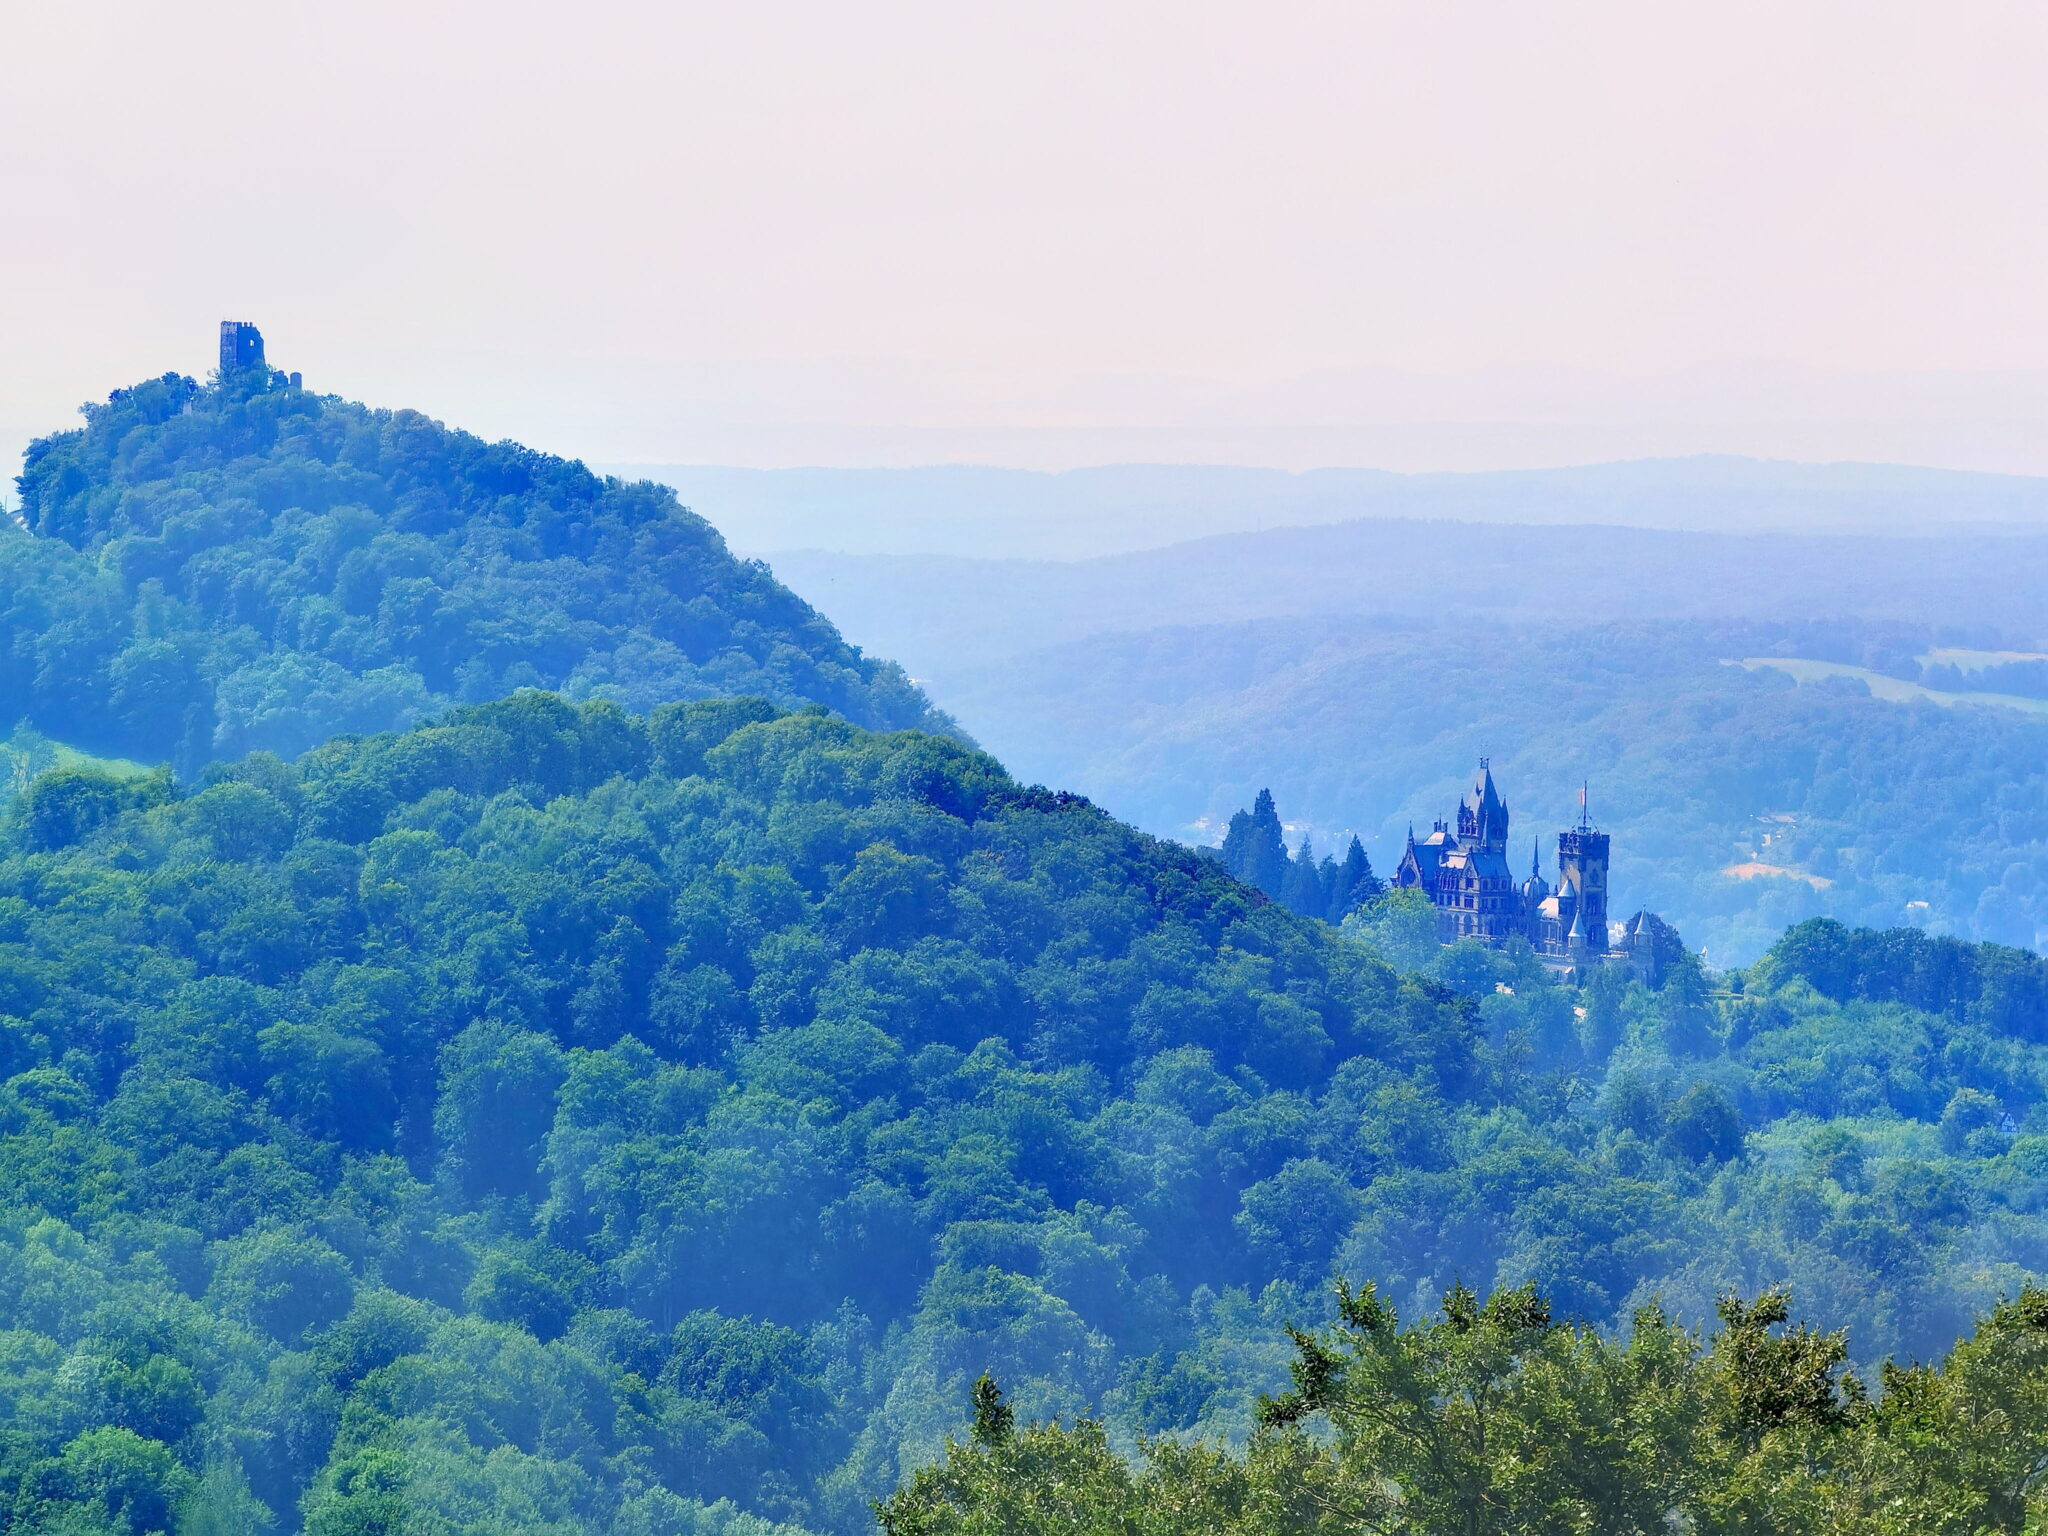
[[1303, 890], [1355, 884], [1255, 849], [1328, 874]]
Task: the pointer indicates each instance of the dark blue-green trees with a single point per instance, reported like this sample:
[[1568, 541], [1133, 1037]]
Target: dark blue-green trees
[[1255, 850]]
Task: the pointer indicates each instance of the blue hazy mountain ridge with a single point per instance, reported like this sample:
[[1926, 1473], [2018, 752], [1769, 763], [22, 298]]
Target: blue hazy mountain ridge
[[939, 614], [987, 512], [1356, 668], [211, 569]]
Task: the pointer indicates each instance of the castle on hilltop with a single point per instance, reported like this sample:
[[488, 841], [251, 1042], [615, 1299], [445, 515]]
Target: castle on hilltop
[[1465, 875]]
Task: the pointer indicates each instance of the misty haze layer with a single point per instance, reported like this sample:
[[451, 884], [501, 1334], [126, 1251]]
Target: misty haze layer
[[960, 509]]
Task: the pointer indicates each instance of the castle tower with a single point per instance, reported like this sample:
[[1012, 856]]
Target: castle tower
[[241, 346], [1582, 872]]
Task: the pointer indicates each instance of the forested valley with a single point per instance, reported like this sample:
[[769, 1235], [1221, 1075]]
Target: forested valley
[[581, 1110]]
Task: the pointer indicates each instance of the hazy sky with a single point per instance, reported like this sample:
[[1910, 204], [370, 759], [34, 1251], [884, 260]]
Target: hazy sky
[[1444, 232]]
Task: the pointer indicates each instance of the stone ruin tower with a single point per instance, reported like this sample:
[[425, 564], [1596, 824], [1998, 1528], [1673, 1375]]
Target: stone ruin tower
[[241, 346]]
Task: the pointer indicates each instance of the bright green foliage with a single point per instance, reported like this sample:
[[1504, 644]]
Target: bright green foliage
[[507, 1123], [1495, 1419], [248, 566], [28, 753]]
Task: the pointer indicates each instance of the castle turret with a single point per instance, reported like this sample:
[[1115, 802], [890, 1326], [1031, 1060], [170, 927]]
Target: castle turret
[[1490, 811], [1535, 888]]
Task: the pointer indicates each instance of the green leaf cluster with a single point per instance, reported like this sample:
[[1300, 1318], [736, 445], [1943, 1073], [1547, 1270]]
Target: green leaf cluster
[[1493, 1418]]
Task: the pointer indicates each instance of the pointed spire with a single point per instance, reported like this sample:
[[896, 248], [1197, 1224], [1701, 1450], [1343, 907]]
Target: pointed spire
[[1489, 813], [1535, 858]]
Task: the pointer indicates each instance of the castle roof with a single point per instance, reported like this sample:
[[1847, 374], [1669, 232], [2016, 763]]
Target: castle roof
[[1422, 857], [1484, 796], [1486, 818], [1487, 863], [1578, 934]]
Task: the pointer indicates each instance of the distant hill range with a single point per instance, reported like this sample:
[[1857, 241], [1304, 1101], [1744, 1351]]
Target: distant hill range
[[1027, 514], [937, 613]]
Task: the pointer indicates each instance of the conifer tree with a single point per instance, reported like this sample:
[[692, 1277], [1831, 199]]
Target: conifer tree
[[1329, 874], [1355, 884], [993, 1418], [1303, 890], [1255, 850]]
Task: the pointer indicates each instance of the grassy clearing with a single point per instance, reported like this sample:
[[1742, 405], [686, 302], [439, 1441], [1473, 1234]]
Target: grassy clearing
[[28, 752], [1895, 690]]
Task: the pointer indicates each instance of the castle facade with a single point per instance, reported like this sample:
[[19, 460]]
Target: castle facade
[[1465, 874]]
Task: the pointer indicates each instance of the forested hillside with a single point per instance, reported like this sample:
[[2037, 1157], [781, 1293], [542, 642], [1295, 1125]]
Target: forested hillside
[[554, 1120], [247, 565]]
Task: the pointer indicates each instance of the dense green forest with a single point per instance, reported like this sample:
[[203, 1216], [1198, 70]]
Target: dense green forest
[[550, 1119], [1740, 803], [244, 565], [435, 1103]]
